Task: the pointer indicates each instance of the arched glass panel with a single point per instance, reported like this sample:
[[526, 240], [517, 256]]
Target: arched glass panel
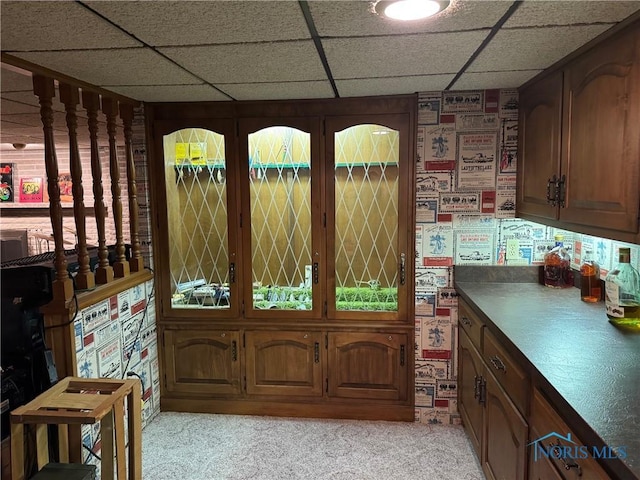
[[195, 182], [366, 200], [280, 186]]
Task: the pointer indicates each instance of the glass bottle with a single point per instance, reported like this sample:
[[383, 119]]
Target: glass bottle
[[590, 290], [622, 289], [557, 266]]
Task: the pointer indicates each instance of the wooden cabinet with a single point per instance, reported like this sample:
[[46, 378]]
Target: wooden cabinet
[[470, 374], [504, 447], [555, 448], [284, 363], [268, 230], [368, 365], [579, 142], [496, 426], [202, 361]]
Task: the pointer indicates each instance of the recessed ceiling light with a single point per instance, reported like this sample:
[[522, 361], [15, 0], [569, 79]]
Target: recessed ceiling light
[[409, 9]]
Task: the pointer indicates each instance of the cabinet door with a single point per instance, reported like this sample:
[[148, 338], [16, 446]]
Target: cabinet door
[[284, 363], [505, 436], [368, 365], [470, 373], [369, 245], [197, 220], [601, 150], [202, 361], [539, 146]]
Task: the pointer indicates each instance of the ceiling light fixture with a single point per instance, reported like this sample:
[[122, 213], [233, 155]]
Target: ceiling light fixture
[[407, 10]]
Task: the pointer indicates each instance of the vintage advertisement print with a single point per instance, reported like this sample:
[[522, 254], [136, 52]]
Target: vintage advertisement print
[[477, 121], [474, 247], [426, 210], [429, 108], [440, 144], [476, 160], [509, 103], [438, 245], [454, 102], [460, 202], [6, 182], [433, 183]]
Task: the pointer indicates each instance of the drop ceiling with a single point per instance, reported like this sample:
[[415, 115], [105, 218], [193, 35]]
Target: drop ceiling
[[169, 51]]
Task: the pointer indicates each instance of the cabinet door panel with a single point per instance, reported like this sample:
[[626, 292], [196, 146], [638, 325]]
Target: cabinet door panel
[[539, 145], [505, 436], [284, 363], [470, 373], [368, 365], [202, 361], [602, 147]]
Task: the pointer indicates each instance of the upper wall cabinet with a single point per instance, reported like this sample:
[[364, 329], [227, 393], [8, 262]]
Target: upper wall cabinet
[[579, 144]]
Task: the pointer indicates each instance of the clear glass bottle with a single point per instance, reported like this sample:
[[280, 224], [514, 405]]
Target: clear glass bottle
[[557, 266], [590, 289], [622, 289]]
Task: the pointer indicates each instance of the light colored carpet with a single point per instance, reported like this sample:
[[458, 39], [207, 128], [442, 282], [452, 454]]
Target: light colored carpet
[[186, 446]]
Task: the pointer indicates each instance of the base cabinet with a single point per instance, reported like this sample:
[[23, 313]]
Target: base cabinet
[[352, 374], [202, 361], [504, 436], [470, 372], [284, 363]]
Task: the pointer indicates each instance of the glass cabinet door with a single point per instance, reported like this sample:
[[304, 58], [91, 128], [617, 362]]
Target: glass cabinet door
[[200, 272], [281, 237], [369, 256]]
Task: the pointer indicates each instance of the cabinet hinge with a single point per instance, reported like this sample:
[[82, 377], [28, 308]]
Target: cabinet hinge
[[326, 307], [324, 219], [244, 340], [242, 307], [326, 342], [245, 384], [240, 220], [326, 383]]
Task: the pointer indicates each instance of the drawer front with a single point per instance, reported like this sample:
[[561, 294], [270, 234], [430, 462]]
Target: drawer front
[[471, 324], [506, 370], [545, 421]]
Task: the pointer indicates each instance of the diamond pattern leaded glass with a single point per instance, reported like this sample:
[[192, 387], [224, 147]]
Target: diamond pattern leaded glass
[[280, 180], [195, 173], [366, 216]]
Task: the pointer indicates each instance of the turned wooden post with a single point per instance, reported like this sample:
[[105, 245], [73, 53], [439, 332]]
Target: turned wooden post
[[110, 109], [136, 261], [104, 271], [43, 88], [71, 98]]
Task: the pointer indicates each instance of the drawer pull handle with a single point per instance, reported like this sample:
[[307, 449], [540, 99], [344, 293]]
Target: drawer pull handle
[[465, 321], [234, 351], [316, 273], [498, 364], [476, 387], [567, 463], [552, 196], [316, 352], [482, 392], [403, 273]]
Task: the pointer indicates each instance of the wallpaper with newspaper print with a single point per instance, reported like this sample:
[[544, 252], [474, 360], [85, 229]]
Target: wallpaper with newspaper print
[[465, 209]]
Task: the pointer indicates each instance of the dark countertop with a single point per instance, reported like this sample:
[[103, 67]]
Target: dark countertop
[[591, 367]]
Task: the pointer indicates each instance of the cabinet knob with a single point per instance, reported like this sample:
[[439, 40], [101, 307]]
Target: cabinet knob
[[306, 335], [389, 338], [223, 334]]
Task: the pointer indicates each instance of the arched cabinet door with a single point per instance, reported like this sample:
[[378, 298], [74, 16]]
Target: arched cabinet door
[[368, 197], [197, 220], [281, 217]]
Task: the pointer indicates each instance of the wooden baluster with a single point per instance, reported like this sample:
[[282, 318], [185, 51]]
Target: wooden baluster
[[44, 89], [110, 109], [136, 261], [71, 98], [104, 271]]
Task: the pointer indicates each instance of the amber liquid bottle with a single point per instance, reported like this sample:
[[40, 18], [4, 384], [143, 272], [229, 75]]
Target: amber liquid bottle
[[622, 288], [590, 289], [557, 266]]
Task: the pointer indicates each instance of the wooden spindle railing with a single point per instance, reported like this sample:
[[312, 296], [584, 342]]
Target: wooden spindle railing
[[44, 89], [136, 262], [104, 271], [110, 109], [70, 97]]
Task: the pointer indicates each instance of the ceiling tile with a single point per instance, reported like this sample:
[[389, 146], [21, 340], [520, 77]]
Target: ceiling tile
[[392, 85], [532, 48], [357, 18], [393, 56], [279, 91], [570, 13], [170, 93], [134, 66], [59, 26], [488, 80], [249, 63], [197, 22]]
